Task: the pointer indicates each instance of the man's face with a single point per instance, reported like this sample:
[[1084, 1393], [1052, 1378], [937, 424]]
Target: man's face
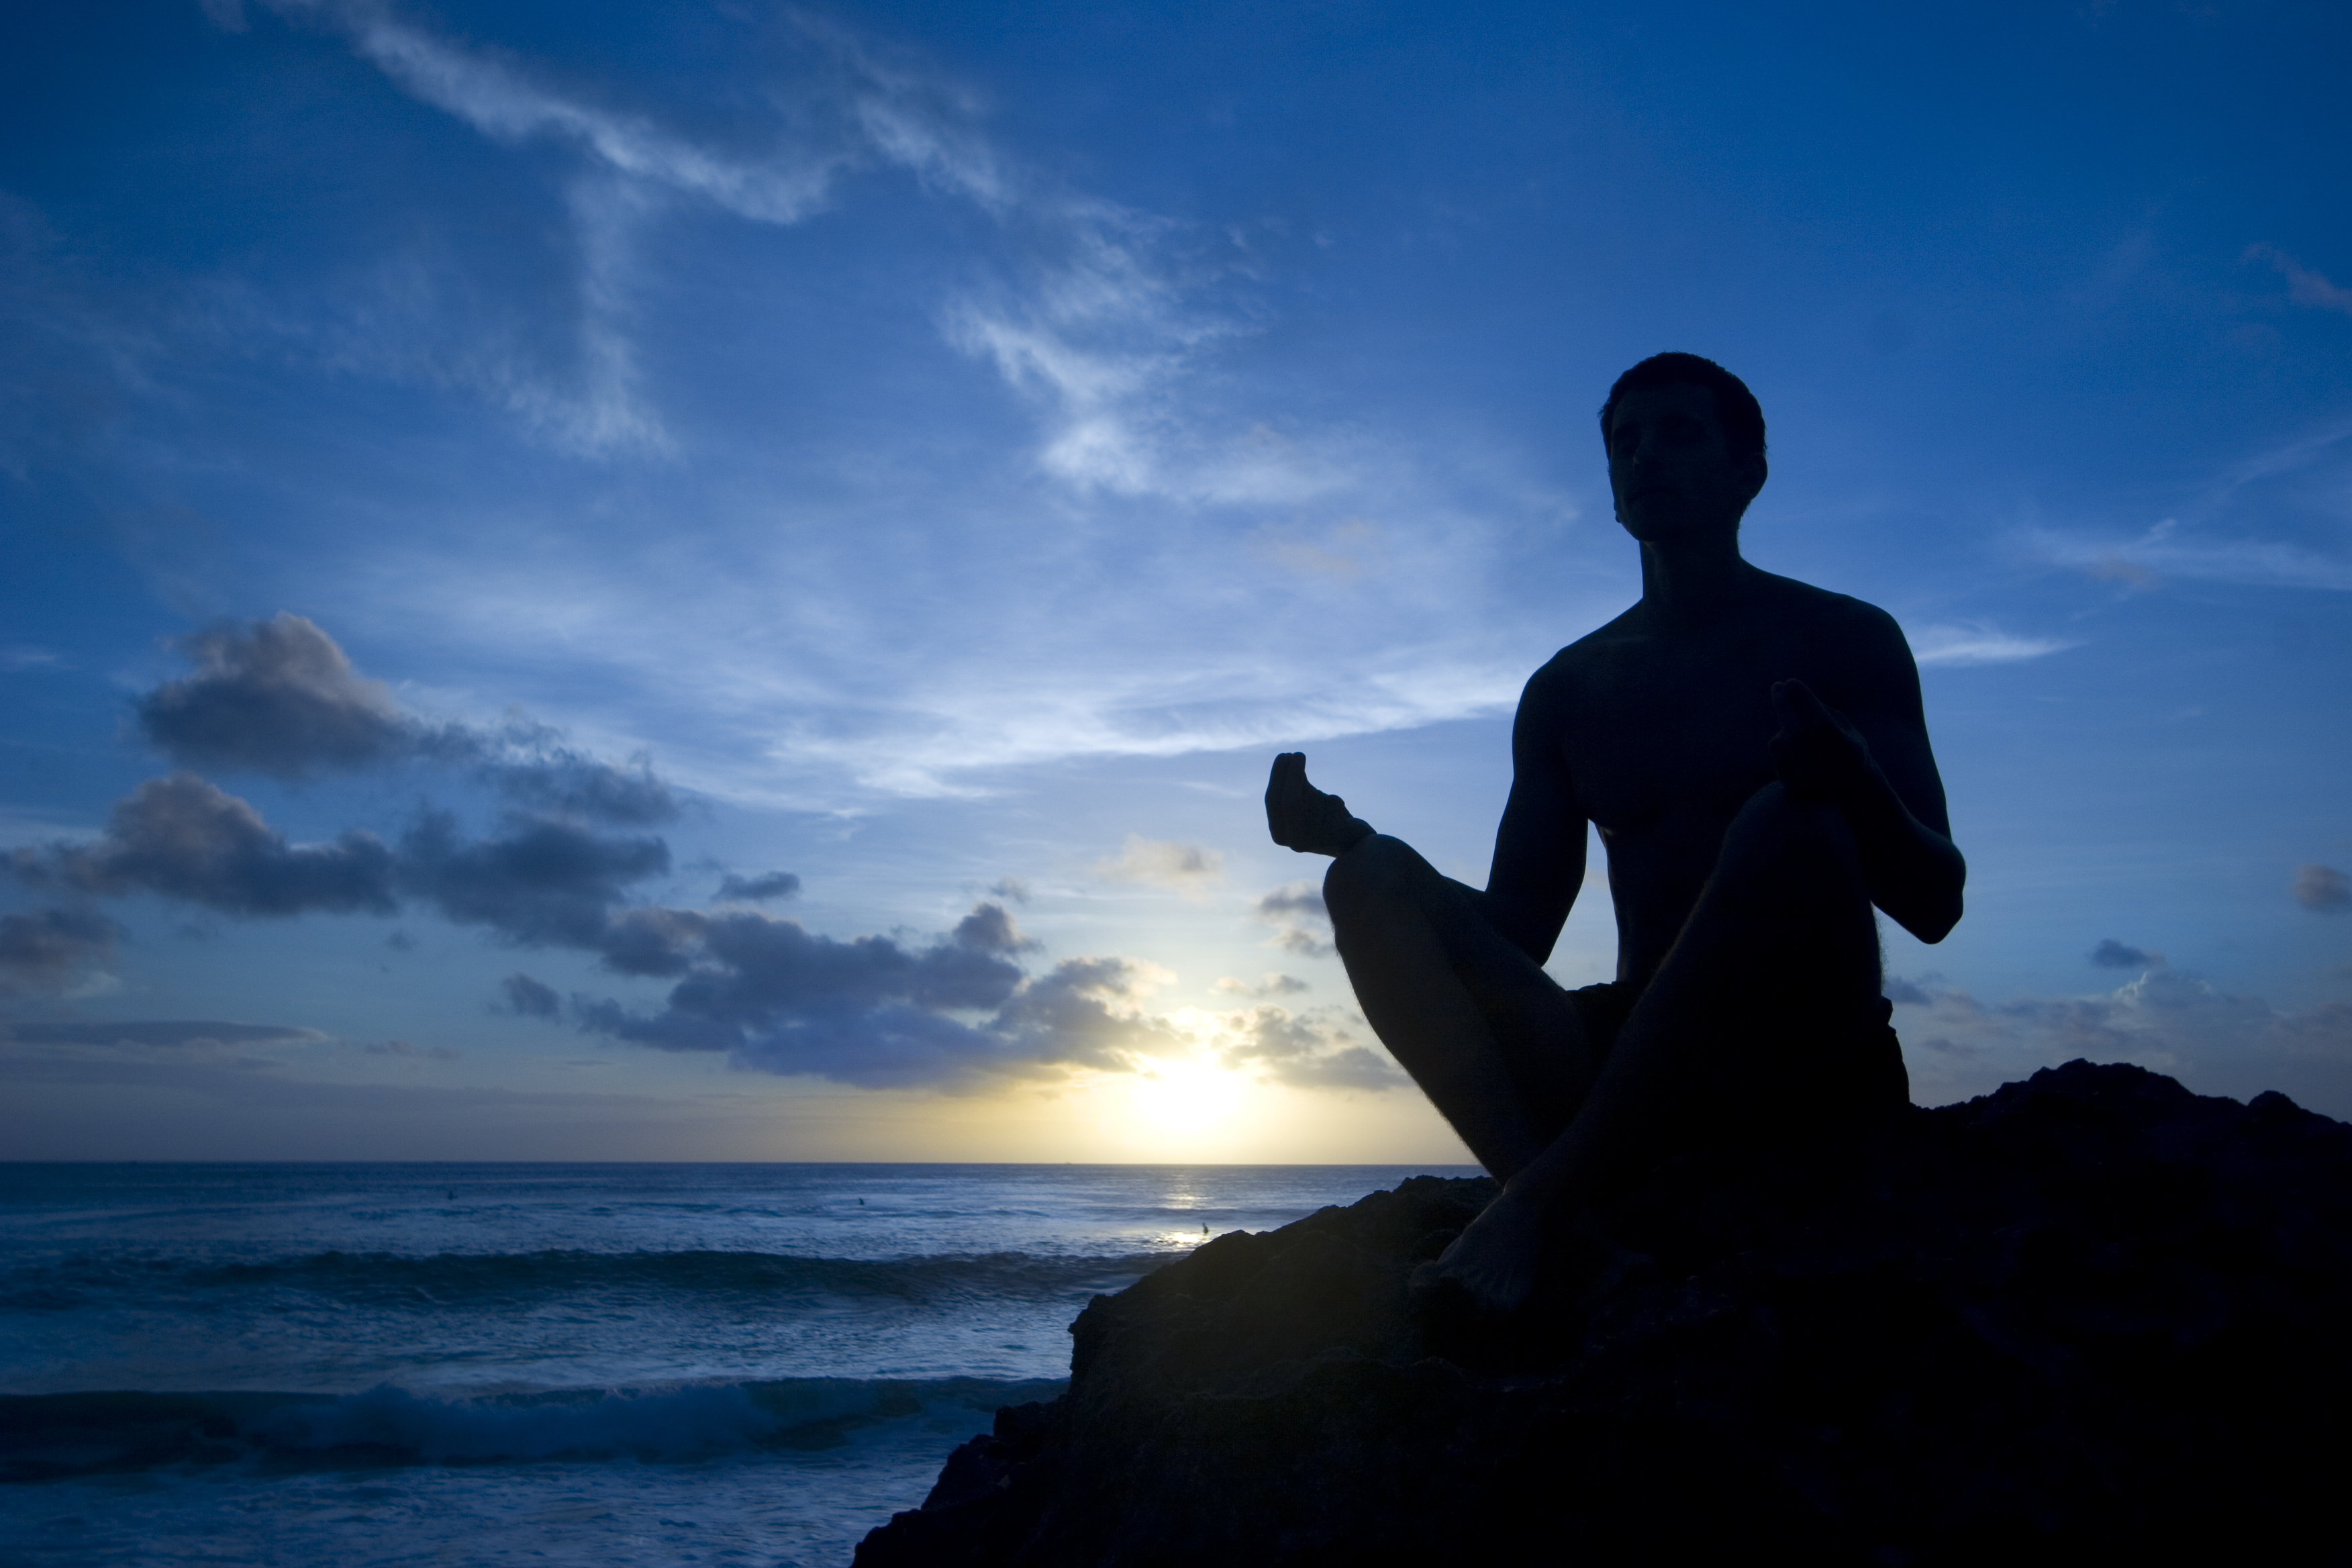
[[1669, 469]]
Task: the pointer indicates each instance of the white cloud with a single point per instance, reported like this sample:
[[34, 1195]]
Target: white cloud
[[499, 102], [1186, 869], [1974, 642], [919, 727]]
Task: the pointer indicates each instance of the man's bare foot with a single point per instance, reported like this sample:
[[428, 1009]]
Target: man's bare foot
[[1511, 1249], [1497, 1259], [1305, 818]]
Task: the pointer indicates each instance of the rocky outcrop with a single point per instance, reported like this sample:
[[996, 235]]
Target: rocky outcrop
[[2090, 1318]]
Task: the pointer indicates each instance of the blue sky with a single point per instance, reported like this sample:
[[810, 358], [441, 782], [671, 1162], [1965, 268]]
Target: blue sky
[[720, 581]]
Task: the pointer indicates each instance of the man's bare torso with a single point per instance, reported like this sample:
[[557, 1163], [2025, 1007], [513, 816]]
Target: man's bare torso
[[1658, 736]]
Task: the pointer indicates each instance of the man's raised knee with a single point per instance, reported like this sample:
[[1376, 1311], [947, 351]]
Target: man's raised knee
[[1380, 870], [1777, 834]]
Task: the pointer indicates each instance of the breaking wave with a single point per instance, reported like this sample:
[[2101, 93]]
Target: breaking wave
[[58, 1435], [471, 1278]]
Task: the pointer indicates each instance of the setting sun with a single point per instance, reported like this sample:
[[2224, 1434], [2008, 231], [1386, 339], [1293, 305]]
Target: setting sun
[[1186, 1098]]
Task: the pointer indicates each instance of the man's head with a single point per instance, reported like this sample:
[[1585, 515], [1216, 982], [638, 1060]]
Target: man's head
[[1686, 445]]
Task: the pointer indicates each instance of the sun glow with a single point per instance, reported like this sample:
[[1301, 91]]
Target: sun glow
[[1186, 1098]]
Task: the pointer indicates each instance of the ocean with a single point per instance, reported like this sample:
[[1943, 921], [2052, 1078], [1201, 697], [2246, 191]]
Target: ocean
[[355, 1364]]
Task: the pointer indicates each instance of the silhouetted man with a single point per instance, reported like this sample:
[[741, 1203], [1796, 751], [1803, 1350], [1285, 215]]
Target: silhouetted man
[[1753, 753]]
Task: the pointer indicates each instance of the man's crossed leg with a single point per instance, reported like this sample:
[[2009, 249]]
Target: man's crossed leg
[[1773, 977]]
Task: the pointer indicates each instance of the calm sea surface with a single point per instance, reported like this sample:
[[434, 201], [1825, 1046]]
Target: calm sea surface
[[627, 1365]]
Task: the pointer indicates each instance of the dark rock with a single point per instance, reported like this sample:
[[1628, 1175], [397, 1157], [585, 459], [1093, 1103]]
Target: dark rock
[[2090, 1318]]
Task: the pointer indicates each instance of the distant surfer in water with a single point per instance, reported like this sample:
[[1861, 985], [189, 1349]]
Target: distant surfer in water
[[1754, 756]]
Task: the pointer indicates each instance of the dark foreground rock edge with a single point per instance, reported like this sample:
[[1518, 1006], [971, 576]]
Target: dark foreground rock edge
[[2090, 1318]]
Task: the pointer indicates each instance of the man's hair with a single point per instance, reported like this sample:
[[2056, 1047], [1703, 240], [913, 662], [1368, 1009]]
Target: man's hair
[[1736, 408]]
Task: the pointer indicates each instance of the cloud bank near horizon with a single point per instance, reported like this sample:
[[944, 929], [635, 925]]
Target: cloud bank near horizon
[[2169, 1020], [280, 697]]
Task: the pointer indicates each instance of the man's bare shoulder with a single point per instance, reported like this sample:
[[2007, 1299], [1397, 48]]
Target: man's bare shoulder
[[1594, 650], [1855, 625]]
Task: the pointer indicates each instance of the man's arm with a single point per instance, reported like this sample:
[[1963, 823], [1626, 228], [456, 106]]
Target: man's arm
[[1539, 847], [1873, 759], [1538, 850]]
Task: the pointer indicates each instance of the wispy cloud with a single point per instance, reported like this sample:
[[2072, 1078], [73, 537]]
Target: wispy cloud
[[160, 1034], [2303, 286], [1104, 337], [497, 98], [1162, 572], [2233, 529], [629, 166], [2158, 555], [248, 1084], [1975, 642], [1097, 310], [1096, 321], [935, 738]]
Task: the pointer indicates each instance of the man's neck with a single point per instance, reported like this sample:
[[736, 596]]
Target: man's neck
[[1694, 583]]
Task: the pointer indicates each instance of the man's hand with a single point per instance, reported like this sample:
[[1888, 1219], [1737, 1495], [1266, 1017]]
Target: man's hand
[[1304, 818], [1819, 755]]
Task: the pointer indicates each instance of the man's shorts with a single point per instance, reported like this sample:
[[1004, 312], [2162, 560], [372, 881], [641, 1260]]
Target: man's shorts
[[1783, 1072]]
